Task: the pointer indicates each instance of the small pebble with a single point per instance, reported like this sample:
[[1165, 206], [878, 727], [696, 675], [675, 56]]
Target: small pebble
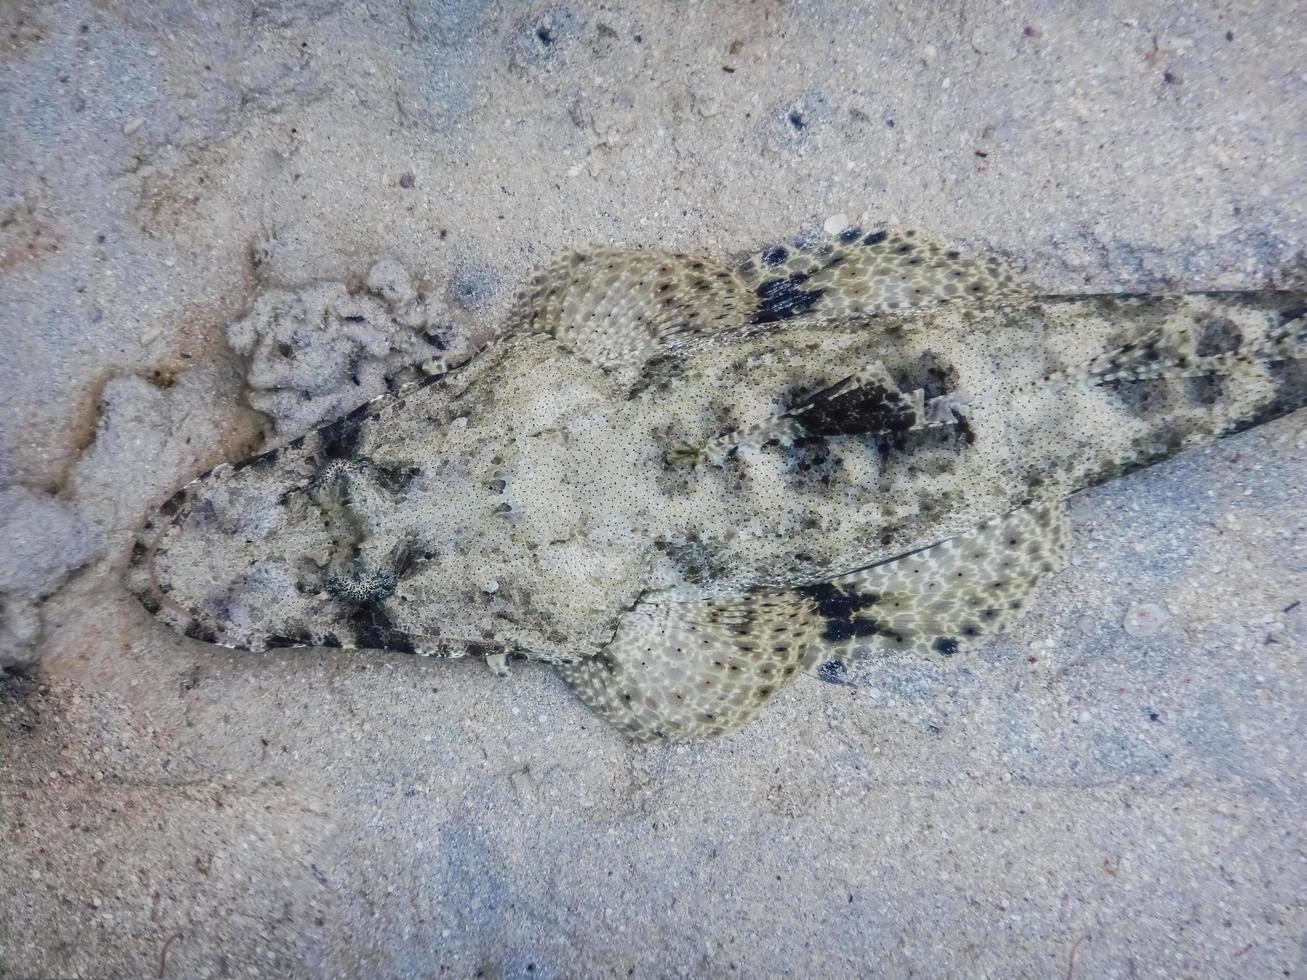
[[708, 108], [522, 781], [406, 181], [132, 125], [1145, 619], [836, 223]]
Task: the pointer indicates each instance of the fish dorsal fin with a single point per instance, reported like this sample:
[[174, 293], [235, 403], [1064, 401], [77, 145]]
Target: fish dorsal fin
[[619, 307]]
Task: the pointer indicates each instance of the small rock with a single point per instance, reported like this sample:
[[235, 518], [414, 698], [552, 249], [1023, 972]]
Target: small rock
[[41, 541], [20, 628], [708, 108], [391, 281], [523, 782], [833, 672], [836, 223], [406, 181], [472, 286], [1145, 619], [132, 125]]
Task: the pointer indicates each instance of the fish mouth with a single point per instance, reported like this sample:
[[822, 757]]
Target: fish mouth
[[142, 580]]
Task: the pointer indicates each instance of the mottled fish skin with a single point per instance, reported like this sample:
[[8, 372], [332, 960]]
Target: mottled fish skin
[[684, 483]]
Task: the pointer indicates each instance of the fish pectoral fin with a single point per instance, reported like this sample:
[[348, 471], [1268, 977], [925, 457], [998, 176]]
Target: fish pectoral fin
[[620, 307], [942, 599], [691, 670], [859, 272]]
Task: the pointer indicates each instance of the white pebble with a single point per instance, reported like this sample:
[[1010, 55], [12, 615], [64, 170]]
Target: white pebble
[[836, 223], [1145, 619], [132, 125]]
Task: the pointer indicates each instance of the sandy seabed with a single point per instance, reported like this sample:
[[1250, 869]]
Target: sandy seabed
[[1078, 799]]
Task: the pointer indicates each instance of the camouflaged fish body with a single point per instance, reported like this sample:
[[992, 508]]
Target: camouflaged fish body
[[685, 483]]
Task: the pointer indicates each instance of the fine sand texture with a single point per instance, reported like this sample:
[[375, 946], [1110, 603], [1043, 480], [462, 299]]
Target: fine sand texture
[[1113, 789]]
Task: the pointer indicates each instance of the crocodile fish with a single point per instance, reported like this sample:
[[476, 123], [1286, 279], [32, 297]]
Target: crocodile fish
[[684, 483]]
